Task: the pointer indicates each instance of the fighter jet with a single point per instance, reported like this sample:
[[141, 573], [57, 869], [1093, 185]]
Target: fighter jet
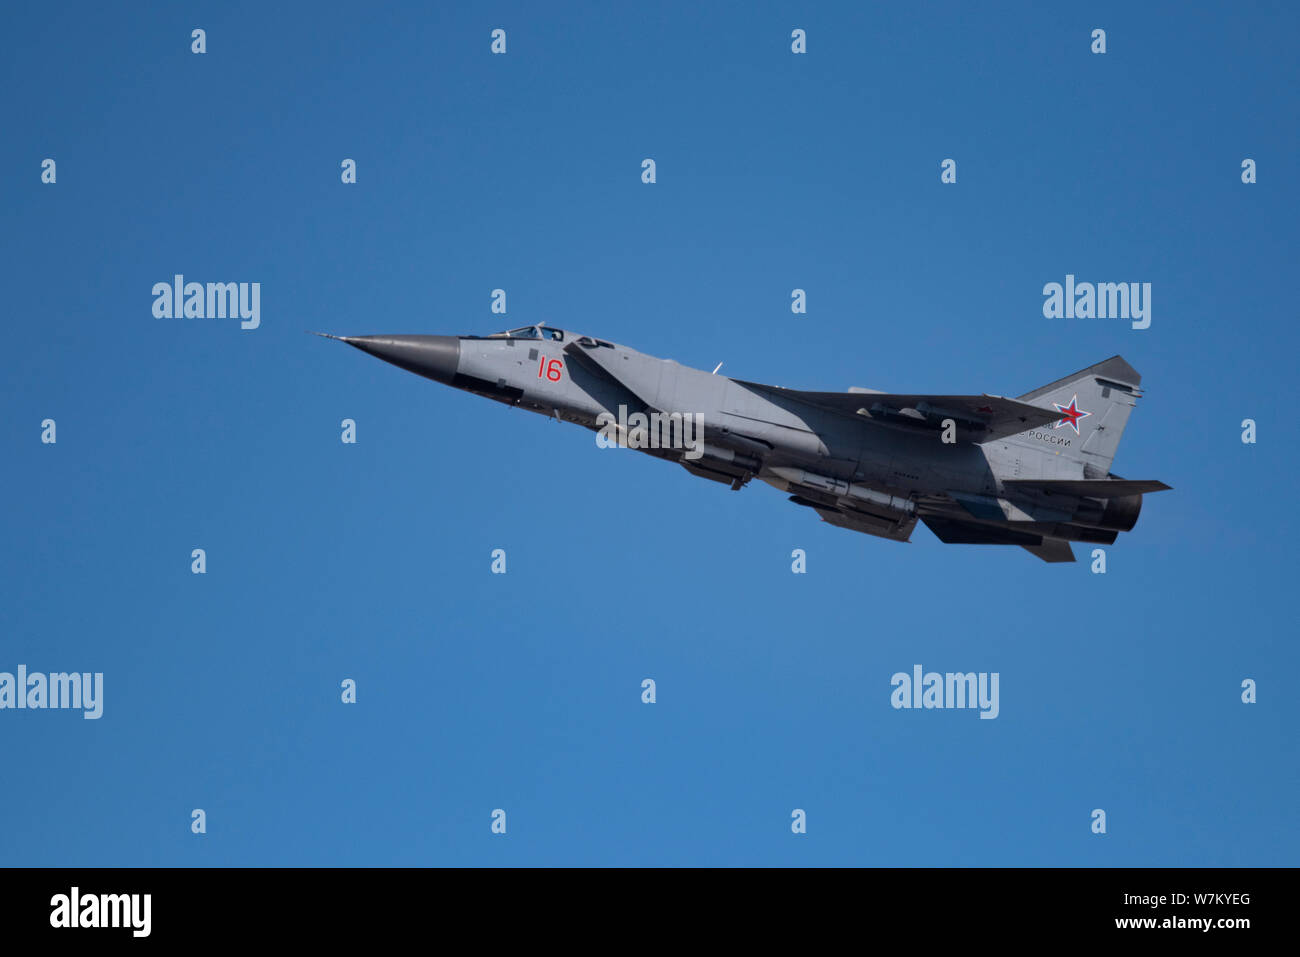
[[1032, 471]]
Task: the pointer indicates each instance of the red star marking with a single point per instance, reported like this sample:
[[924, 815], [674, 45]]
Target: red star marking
[[1070, 415], [988, 409]]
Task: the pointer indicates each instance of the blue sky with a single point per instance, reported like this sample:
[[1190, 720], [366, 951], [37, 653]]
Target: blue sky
[[371, 561]]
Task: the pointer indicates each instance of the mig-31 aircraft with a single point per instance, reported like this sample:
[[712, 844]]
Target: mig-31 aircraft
[[1032, 471]]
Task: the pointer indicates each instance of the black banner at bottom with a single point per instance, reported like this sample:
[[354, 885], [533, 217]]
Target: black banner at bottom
[[337, 907]]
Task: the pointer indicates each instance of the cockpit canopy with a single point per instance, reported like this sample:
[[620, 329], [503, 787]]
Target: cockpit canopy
[[543, 331], [531, 332]]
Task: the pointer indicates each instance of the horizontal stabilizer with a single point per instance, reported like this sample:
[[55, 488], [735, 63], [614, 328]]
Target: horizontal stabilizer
[[1052, 550], [1094, 488]]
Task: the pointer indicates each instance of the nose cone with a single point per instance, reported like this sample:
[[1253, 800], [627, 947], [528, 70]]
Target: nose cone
[[434, 357]]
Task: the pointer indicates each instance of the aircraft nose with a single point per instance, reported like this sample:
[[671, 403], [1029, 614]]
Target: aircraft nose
[[434, 357]]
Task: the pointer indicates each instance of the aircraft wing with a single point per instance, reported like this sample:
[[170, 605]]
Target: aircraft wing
[[979, 418]]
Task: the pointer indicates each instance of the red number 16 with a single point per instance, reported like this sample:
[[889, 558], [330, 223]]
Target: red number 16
[[553, 368]]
